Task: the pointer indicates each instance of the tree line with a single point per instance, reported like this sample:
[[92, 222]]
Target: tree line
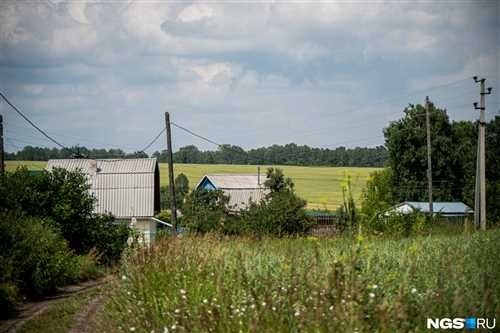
[[30, 153], [289, 154]]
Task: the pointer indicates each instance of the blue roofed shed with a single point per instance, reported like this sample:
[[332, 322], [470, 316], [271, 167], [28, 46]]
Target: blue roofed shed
[[241, 188]]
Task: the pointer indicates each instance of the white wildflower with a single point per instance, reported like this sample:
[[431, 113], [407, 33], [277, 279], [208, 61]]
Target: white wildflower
[[165, 329], [124, 277], [372, 295], [205, 301], [263, 303], [177, 311], [297, 314], [132, 329], [413, 290], [330, 308], [183, 292], [173, 327], [374, 286]]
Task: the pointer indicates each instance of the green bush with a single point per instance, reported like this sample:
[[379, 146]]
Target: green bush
[[397, 224], [9, 298], [63, 197], [205, 211], [280, 214], [36, 260]]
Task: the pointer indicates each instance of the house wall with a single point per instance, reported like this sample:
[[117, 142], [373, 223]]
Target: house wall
[[145, 226]]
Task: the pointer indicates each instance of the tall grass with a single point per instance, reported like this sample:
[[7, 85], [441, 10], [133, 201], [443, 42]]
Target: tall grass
[[305, 284]]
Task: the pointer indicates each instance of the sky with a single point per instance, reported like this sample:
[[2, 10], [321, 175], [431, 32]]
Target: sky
[[253, 74]]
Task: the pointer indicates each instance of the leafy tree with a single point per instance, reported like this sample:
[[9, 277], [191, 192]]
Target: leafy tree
[[276, 181], [205, 211], [283, 213], [181, 190], [406, 143]]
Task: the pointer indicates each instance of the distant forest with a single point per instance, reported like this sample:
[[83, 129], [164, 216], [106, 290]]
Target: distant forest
[[289, 154]]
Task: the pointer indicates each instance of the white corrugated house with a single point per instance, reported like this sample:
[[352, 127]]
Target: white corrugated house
[[241, 188], [129, 189]]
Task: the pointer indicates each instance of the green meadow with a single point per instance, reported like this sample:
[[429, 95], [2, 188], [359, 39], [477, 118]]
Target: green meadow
[[341, 284], [320, 186]]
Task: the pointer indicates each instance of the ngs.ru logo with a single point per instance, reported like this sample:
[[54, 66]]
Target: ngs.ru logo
[[470, 323]]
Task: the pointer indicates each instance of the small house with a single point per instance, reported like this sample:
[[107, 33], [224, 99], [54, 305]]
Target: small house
[[453, 211], [241, 188], [129, 189]]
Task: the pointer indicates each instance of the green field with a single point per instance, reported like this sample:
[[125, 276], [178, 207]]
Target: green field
[[320, 186]]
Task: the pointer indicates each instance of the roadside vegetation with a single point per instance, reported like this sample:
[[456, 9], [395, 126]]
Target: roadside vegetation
[[49, 236], [342, 284]]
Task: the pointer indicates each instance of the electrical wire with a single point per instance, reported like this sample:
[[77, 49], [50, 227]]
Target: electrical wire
[[30, 122], [154, 140], [194, 134]]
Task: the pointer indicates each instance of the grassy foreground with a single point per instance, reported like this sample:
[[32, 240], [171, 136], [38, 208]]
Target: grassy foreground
[[211, 284], [320, 186]]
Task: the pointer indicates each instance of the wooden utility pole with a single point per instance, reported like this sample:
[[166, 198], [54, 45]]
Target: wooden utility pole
[[2, 163], [480, 194], [173, 205], [429, 160]]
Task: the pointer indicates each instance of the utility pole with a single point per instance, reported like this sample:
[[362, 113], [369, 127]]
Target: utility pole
[[171, 184], [481, 159], [429, 161], [2, 163]]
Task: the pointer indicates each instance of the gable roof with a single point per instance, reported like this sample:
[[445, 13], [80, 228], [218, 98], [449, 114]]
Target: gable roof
[[439, 207], [235, 181], [241, 188], [125, 188]]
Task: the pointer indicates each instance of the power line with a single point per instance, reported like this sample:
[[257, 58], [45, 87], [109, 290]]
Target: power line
[[194, 134], [154, 140], [30, 122]]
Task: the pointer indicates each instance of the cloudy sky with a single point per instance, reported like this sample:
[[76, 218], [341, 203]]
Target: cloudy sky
[[102, 73]]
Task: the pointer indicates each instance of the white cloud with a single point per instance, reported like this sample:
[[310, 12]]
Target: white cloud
[[114, 63]]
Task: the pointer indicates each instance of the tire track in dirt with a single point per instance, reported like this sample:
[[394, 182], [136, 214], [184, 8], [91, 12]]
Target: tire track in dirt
[[30, 310]]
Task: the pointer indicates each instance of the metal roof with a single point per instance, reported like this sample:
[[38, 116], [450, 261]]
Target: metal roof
[[124, 188], [445, 208], [241, 198]]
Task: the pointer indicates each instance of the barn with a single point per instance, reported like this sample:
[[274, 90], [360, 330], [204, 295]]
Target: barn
[[129, 189], [241, 188]]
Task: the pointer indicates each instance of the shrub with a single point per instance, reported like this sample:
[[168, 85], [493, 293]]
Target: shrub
[[181, 190], [377, 195], [63, 197], [280, 214], [9, 298], [398, 224], [36, 259], [205, 211]]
